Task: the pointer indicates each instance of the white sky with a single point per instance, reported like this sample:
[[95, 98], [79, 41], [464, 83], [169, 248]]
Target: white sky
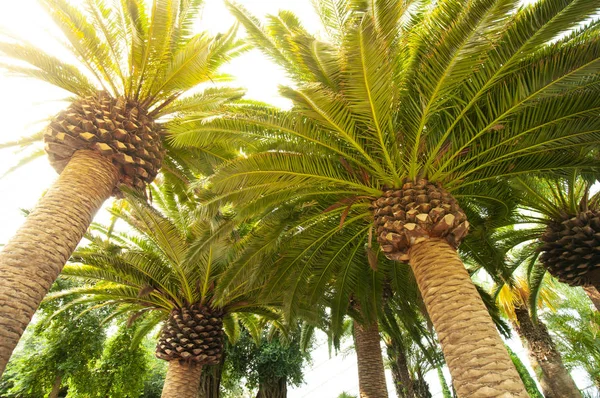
[[25, 104]]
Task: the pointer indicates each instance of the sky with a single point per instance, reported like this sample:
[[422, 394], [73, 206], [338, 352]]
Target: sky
[[26, 105]]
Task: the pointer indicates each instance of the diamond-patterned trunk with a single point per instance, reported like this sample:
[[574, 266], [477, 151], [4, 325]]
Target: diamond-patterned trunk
[[417, 211], [117, 128], [571, 249], [192, 334]]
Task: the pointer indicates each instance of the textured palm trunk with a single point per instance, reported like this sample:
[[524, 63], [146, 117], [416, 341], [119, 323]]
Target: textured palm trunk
[[371, 375], [594, 295], [277, 389], [56, 387], [183, 380], [479, 364], [210, 380], [31, 261], [402, 380], [421, 386], [542, 349]]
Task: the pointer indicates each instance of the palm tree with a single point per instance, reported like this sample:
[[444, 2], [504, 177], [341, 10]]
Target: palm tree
[[166, 270], [554, 378], [141, 62], [567, 219], [407, 112]]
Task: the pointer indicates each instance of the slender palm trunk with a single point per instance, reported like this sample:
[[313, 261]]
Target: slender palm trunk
[[475, 354], [402, 380], [421, 386], [371, 375], [31, 261], [594, 295], [183, 380], [56, 387], [277, 389], [544, 352]]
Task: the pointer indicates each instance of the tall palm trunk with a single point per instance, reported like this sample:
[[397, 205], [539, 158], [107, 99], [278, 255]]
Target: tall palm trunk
[[31, 261], [542, 349], [371, 375], [594, 295], [277, 389], [475, 354], [183, 380]]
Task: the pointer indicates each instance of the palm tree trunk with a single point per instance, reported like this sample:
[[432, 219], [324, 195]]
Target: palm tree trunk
[[182, 381], [400, 372], [371, 375], [475, 354], [55, 387], [542, 349], [594, 295], [31, 261], [273, 390], [210, 379]]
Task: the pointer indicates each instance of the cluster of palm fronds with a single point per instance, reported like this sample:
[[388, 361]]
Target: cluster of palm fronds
[[412, 122]]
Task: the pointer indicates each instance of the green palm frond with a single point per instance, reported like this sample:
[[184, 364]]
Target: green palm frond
[[151, 267]]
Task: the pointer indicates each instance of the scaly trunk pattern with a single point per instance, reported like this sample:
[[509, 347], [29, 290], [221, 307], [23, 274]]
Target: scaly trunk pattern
[[475, 354], [273, 390], [544, 352], [371, 375], [210, 380], [402, 381], [183, 380], [31, 261], [594, 295]]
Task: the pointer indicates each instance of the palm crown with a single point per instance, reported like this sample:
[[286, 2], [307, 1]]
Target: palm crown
[[170, 260], [134, 66], [169, 263], [457, 95]]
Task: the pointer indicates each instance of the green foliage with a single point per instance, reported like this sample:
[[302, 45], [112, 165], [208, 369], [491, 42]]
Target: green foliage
[[171, 256], [269, 361], [530, 385], [462, 96], [120, 371], [155, 376], [575, 328], [64, 345]]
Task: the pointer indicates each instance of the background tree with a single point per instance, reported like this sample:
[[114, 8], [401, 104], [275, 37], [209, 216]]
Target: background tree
[[403, 120], [271, 365], [543, 353], [566, 217], [120, 371], [139, 62], [58, 352], [575, 327]]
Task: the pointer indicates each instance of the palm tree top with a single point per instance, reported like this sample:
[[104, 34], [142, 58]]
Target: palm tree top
[[172, 258], [456, 94], [150, 56]]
